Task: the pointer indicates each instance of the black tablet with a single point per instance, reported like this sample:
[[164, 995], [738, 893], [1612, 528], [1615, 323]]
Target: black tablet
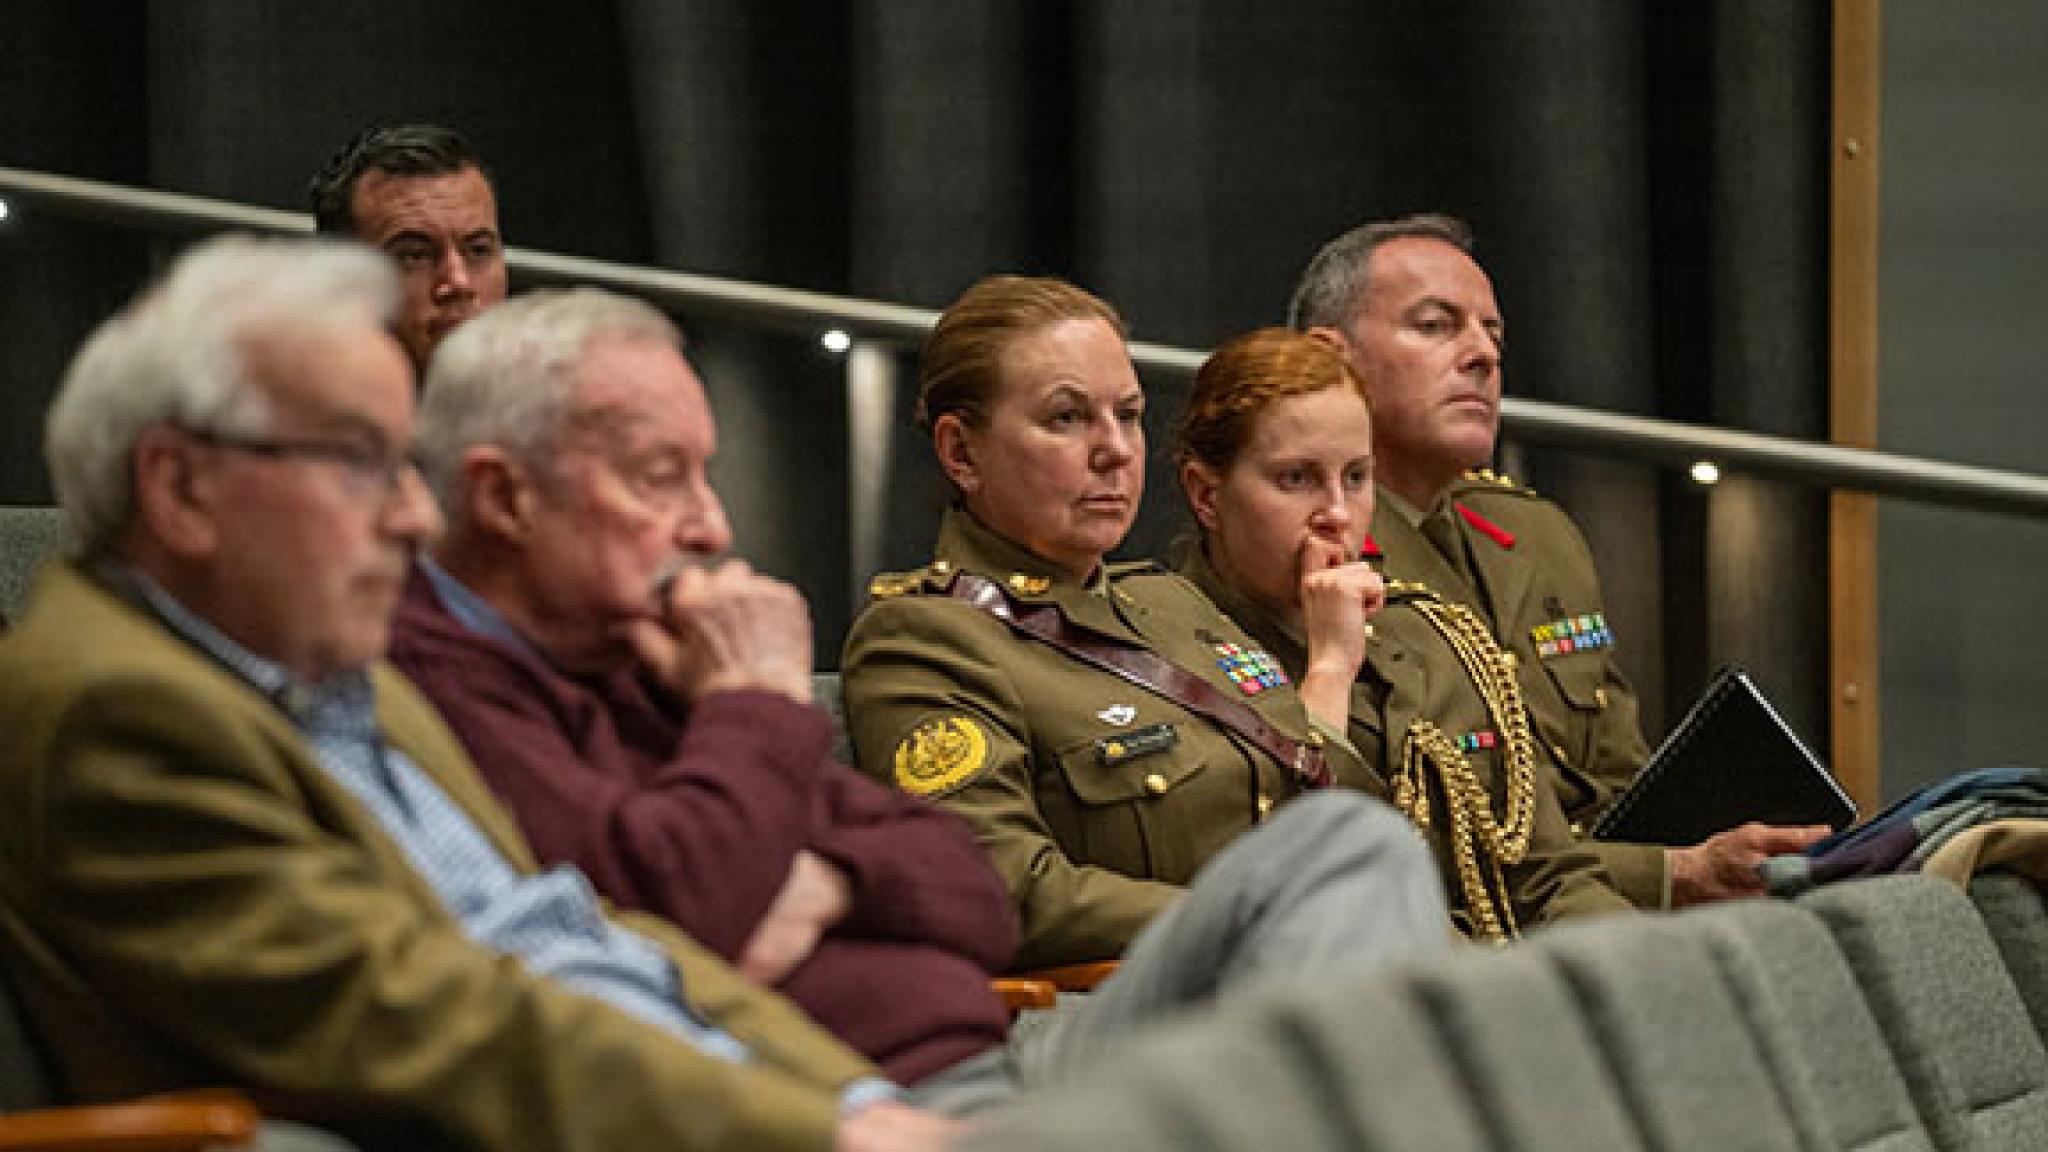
[[1732, 759]]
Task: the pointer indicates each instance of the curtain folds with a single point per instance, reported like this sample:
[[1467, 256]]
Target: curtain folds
[[1648, 183]]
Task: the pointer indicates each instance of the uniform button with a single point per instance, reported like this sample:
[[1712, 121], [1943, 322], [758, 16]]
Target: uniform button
[[1265, 805], [1315, 738], [1155, 784], [1578, 830], [942, 566], [1510, 659], [1114, 750], [1600, 697]]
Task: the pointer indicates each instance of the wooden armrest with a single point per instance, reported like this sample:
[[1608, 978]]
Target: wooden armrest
[[179, 1122], [1020, 993], [1074, 977], [1042, 988]]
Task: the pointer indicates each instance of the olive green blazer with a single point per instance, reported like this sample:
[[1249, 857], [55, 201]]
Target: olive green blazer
[[1412, 673], [1096, 800], [1532, 571], [187, 898]]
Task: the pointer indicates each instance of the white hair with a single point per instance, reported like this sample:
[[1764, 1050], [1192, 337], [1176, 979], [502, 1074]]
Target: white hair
[[508, 377], [178, 355]]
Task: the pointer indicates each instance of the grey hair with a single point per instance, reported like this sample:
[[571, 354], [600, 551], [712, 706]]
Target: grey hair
[[1335, 281], [508, 376], [178, 354]]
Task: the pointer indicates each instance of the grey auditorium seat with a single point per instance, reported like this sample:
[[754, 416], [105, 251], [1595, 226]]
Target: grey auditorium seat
[[28, 537]]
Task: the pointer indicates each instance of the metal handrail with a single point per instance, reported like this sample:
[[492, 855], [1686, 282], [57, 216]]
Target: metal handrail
[[1589, 430]]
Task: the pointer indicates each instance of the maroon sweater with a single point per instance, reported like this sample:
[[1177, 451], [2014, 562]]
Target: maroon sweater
[[697, 818]]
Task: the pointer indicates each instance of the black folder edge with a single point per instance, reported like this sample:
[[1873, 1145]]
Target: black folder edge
[[1727, 681]]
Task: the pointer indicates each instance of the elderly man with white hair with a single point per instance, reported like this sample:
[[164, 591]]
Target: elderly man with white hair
[[236, 848]]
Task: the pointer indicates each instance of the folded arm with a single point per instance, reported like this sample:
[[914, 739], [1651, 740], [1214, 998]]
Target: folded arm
[[704, 836], [918, 876]]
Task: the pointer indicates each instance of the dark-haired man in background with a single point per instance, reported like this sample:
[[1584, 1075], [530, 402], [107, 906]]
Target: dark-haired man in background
[[419, 193]]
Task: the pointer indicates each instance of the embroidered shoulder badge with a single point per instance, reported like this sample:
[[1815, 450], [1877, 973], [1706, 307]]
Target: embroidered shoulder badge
[[940, 755]]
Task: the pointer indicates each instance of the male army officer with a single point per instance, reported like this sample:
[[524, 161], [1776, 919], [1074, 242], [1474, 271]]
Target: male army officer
[[1416, 316]]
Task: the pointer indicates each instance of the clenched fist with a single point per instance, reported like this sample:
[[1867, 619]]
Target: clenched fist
[[723, 628], [1338, 596]]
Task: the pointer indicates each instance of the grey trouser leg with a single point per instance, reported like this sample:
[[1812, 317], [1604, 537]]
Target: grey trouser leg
[[1336, 882], [285, 1136]]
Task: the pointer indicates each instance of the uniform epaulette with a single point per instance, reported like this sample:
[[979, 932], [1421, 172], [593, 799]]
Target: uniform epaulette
[[1407, 590], [1487, 480], [889, 585], [1119, 569], [935, 578]]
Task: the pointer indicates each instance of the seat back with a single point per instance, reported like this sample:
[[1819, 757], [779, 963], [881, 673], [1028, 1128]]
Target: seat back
[[1350, 1068], [24, 1079], [825, 693], [2015, 911], [1512, 1025], [1871, 1016], [1946, 1005], [29, 536], [1668, 1028], [1816, 1037]]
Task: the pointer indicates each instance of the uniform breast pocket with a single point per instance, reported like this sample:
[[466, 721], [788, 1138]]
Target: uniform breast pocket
[[1396, 689], [1130, 792], [1580, 677]]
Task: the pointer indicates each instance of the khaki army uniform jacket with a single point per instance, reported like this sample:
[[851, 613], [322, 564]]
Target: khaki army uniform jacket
[[1413, 674], [188, 898], [1536, 584], [1096, 799]]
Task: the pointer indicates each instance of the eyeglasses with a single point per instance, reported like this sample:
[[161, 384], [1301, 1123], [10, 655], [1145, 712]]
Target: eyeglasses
[[371, 472]]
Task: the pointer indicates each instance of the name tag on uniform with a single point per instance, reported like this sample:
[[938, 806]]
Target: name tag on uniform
[[1146, 741]]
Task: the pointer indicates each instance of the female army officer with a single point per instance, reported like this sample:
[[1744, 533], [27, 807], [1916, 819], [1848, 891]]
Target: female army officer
[[1103, 727], [1275, 455]]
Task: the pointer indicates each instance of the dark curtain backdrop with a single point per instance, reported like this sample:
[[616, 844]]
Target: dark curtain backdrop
[[1648, 182]]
